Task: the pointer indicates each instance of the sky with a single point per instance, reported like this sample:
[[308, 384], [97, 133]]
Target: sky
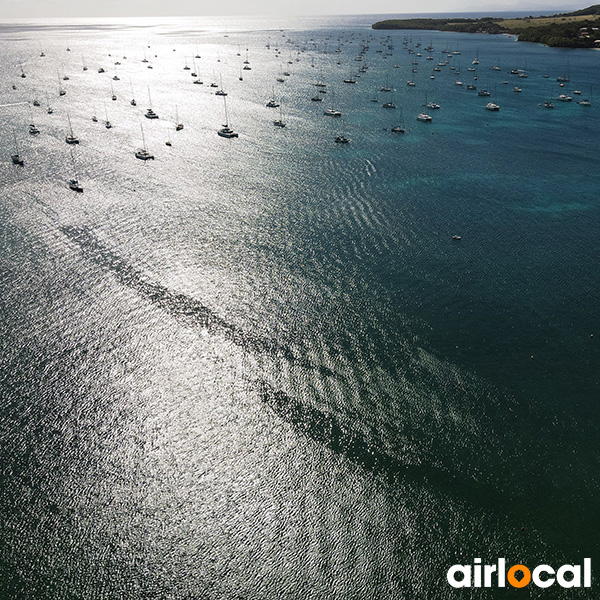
[[123, 8]]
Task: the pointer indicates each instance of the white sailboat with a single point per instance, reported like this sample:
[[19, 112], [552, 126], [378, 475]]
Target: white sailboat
[[142, 153], [71, 139], [272, 103], [150, 114], [107, 123], [74, 182], [221, 91], [16, 157], [178, 125], [280, 122], [226, 131], [133, 102], [342, 138], [332, 112]]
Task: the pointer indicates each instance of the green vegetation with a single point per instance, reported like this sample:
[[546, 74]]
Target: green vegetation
[[487, 25], [578, 34], [578, 29]]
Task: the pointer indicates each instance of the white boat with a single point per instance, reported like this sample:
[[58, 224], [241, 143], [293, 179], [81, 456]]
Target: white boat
[[423, 117], [16, 158], [430, 105], [272, 103], [150, 114], [221, 91], [71, 139], [133, 102], [74, 182], [142, 153], [279, 122], [389, 104], [107, 123], [226, 131], [75, 185], [491, 106], [330, 112]]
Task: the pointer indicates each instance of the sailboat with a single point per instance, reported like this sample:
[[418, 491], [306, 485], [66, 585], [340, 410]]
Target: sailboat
[[386, 87], [107, 123], [342, 139], [74, 182], [272, 103], [279, 122], [430, 105], [331, 112], [71, 139], [150, 114], [226, 131], [33, 130], [112, 91], [178, 125], [133, 102], [399, 128], [586, 101], [16, 158], [221, 91], [142, 153], [61, 90], [390, 104]]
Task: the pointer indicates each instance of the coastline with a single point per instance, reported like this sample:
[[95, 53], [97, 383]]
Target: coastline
[[578, 29]]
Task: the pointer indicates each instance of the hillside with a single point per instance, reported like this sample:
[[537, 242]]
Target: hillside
[[578, 29]]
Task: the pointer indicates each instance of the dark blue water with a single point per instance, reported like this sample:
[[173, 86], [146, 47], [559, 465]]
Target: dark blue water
[[262, 367]]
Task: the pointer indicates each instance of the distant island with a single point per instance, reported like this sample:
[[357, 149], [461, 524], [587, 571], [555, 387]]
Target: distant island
[[578, 29]]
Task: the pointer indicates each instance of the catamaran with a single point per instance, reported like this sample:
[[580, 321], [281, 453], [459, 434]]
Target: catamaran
[[226, 131], [142, 153], [71, 139], [16, 158], [74, 182]]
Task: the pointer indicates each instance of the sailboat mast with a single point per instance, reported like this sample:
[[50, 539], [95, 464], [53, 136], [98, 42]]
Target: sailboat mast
[[226, 114]]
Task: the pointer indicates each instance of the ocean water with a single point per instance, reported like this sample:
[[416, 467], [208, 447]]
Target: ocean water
[[261, 367]]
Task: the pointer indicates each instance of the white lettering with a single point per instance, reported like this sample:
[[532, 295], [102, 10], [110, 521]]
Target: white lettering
[[536, 576], [587, 572], [465, 581], [575, 582], [501, 572], [487, 575]]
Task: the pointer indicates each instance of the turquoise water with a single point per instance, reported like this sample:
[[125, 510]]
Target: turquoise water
[[262, 367]]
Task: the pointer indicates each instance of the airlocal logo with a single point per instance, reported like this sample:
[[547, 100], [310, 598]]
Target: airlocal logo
[[478, 575]]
